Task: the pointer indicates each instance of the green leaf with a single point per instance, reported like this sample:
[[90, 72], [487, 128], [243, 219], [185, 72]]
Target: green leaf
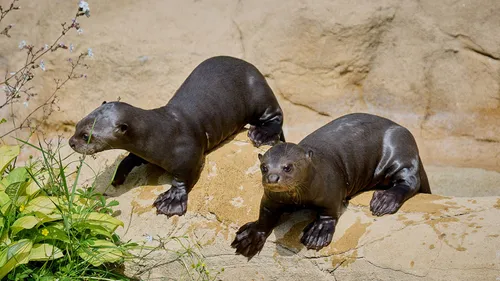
[[4, 238], [42, 204], [13, 255], [19, 174], [44, 218], [32, 188], [52, 233], [94, 229], [3, 121], [7, 154], [113, 203], [16, 182], [26, 222], [104, 220], [45, 252], [97, 252], [5, 202]]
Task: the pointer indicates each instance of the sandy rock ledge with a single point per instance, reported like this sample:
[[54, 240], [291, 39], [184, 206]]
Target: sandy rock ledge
[[432, 237]]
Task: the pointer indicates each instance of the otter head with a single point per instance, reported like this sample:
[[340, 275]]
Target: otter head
[[286, 167], [104, 128]]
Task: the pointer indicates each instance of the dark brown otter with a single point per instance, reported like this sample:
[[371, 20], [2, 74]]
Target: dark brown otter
[[353, 153], [218, 99]]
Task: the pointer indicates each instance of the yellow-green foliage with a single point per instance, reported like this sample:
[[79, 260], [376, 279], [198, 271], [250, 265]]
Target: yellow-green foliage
[[42, 219]]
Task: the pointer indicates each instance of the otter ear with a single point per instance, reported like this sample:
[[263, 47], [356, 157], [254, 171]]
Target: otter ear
[[309, 154], [121, 128], [103, 102], [260, 157]]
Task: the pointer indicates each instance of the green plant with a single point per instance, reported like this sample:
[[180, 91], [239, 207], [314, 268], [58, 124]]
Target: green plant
[[50, 229]]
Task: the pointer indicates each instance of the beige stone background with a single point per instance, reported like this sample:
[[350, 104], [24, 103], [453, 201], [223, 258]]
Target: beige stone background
[[432, 66]]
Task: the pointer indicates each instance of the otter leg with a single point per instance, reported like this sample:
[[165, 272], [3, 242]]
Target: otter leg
[[186, 174], [250, 238], [268, 129], [319, 233], [404, 184], [125, 167]]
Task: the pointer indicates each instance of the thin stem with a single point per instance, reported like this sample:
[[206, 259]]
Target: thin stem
[[58, 87]]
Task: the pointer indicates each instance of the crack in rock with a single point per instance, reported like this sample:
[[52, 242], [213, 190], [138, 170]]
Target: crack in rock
[[322, 113], [240, 38], [392, 269]]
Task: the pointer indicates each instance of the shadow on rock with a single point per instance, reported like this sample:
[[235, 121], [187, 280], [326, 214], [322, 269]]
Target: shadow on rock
[[289, 231], [146, 174]]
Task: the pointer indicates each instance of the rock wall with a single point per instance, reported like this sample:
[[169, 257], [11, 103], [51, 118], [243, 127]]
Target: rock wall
[[433, 67]]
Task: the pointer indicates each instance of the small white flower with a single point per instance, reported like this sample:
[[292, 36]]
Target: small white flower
[[25, 104], [149, 238], [90, 53], [42, 65], [12, 73], [22, 44], [79, 30], [71, 48], [46, 47], [85, 7]]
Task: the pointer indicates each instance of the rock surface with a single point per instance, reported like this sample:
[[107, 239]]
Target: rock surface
[[433, 67], [432, 237]]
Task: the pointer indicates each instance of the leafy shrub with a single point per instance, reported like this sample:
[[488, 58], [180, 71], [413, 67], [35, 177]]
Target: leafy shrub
[[49, 228]]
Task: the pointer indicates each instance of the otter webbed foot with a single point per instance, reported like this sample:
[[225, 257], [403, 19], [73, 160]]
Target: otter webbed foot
[[249, 241], [319, 233], [385, 202], [172, 202], [264, 135]]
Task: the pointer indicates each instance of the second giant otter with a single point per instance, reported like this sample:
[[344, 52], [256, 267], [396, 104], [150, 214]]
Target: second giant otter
[[353, 153], [218, 99]]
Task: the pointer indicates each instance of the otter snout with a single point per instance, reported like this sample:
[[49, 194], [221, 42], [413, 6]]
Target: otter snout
[[72, 142], [273, 178]]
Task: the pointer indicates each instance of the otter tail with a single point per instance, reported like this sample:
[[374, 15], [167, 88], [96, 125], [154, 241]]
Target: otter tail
[[424, 181]]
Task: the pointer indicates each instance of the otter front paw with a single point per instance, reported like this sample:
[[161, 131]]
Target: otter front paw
[[263, 135], [172, 202], [249, 241], [318, 234], [384, 202]]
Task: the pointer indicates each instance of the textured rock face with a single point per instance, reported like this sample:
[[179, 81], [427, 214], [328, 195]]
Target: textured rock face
[[432, 66], [431, 237]]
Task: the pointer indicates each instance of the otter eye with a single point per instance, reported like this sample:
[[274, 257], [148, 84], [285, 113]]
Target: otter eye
[[263, 169], [85, 137], [287, 168]]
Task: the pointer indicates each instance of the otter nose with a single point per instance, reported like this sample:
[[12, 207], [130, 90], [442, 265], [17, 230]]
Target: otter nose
[[72, 142], [273, 178]]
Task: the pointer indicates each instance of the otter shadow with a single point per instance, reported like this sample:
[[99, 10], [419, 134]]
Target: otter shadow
[[146, 174], [289, 231], [290, 227]]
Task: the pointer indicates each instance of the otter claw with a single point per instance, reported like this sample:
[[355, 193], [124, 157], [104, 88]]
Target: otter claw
[[249, 241], [172, 202], [318, 234], [384, 202], [262, 136]]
